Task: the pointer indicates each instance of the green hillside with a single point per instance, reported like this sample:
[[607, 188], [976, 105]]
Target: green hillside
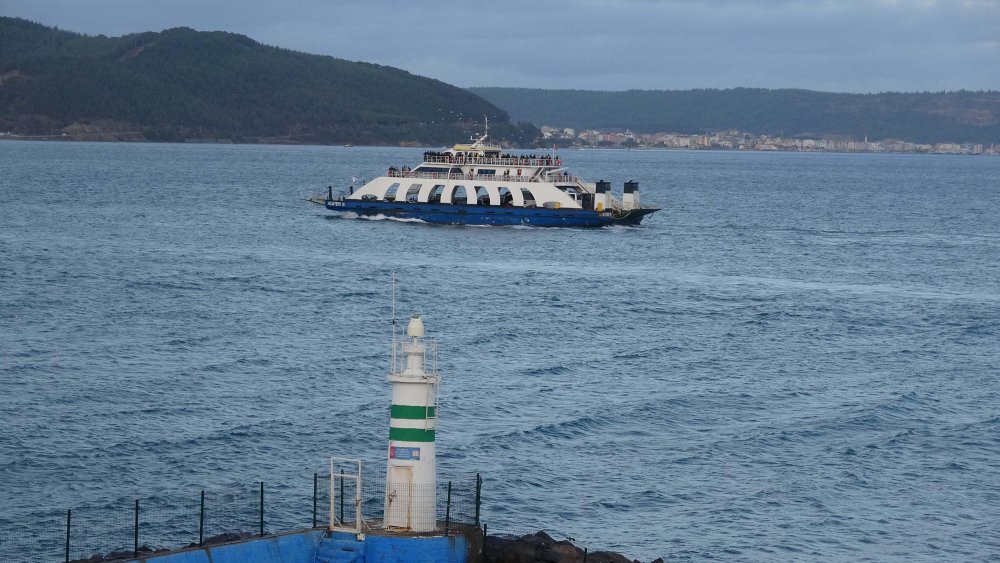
[[919, 117], [182, 84]]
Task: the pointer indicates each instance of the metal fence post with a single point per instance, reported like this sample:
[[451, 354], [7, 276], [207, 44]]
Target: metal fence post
[[315, 491], [484, 540], [342, 496], [447, 511], [201, 521], [68, 514], [135, 551], [585, 555], [479, 497], [262, 509]]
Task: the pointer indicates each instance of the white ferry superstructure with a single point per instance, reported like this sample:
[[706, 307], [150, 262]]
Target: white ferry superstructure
[[479, 184]]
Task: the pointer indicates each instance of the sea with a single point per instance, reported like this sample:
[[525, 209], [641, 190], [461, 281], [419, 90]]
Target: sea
[[796, 359]]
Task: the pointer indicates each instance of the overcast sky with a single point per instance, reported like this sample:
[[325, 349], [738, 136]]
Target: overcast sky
[[832, 45]]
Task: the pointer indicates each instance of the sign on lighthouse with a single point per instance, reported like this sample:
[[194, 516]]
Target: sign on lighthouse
[[411, 480]]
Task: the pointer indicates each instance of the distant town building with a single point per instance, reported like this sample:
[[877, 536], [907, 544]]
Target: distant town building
[[733, 139]]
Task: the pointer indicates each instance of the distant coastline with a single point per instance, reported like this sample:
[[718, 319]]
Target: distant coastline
[[182, 85], [741, 140], [914, 118], [591, 139]]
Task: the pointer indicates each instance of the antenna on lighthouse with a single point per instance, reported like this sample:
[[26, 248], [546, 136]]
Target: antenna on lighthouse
[[392, 366]]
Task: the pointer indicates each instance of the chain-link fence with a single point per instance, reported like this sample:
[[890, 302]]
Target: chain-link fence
[[126, 528], [38, 537], [451, 501]]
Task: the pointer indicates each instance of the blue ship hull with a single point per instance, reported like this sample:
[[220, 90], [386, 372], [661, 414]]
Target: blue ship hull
[[457, 214]]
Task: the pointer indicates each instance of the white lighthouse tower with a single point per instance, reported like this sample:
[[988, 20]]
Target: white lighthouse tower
[[411, 480]]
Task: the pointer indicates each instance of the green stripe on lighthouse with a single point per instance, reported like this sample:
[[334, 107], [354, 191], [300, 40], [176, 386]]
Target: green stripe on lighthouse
[[412, 412], [411, 434]]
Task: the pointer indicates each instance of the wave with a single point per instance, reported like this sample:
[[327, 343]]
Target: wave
[[158, 285], [381, 217], [545, 371]]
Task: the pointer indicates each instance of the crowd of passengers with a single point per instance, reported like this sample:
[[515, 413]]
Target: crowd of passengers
[[404, 172], [513, 159]]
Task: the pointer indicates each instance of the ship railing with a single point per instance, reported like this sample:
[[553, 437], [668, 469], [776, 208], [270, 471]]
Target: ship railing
[[494, 161], [427, 175], [561, 178]]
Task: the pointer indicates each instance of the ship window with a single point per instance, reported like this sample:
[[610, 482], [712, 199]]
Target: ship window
[[506, 198], [435, 195], [482, 196], [529, 198], [464, 197], [390, 193], [486, 172], [571, 192], [411, 193], [431, 169]]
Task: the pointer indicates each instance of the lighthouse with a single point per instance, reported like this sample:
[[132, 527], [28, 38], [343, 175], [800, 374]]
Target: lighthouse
[[411, 480]]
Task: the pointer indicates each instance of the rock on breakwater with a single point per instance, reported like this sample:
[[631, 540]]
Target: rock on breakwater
[[542, 547]]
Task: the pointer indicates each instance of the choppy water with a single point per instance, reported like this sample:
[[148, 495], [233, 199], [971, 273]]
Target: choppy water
[[796, 360]]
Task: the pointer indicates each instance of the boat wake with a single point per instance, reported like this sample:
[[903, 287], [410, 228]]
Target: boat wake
[[381, 217], [378, 217]]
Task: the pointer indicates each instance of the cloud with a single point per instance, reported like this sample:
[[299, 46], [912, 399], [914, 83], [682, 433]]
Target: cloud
[[846, 45]]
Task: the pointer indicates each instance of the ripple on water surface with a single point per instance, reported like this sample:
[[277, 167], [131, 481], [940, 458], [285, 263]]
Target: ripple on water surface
[[795, 360]]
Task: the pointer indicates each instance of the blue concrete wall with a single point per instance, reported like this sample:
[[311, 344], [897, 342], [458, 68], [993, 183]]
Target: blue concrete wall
[[200, 556], [389, 549], [300, 547], [295, 547]]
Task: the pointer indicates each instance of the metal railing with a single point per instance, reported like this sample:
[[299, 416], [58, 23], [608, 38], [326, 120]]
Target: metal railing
[[362, 509], [129, 528], [499, 161], [343, 480], [562, 178]]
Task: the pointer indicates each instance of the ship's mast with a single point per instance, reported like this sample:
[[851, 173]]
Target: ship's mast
[[486, 132]]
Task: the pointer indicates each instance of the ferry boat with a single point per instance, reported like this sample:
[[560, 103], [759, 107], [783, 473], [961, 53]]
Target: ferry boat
[[479, 184]]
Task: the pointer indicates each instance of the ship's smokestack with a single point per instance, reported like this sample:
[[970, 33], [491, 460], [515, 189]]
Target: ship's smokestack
[[630, 197], [602, 195]]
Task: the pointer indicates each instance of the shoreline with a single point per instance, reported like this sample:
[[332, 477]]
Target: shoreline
[[135, 137]]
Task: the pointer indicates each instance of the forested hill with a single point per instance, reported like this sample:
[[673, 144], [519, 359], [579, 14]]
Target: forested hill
[[918, 117], [182, 84]]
